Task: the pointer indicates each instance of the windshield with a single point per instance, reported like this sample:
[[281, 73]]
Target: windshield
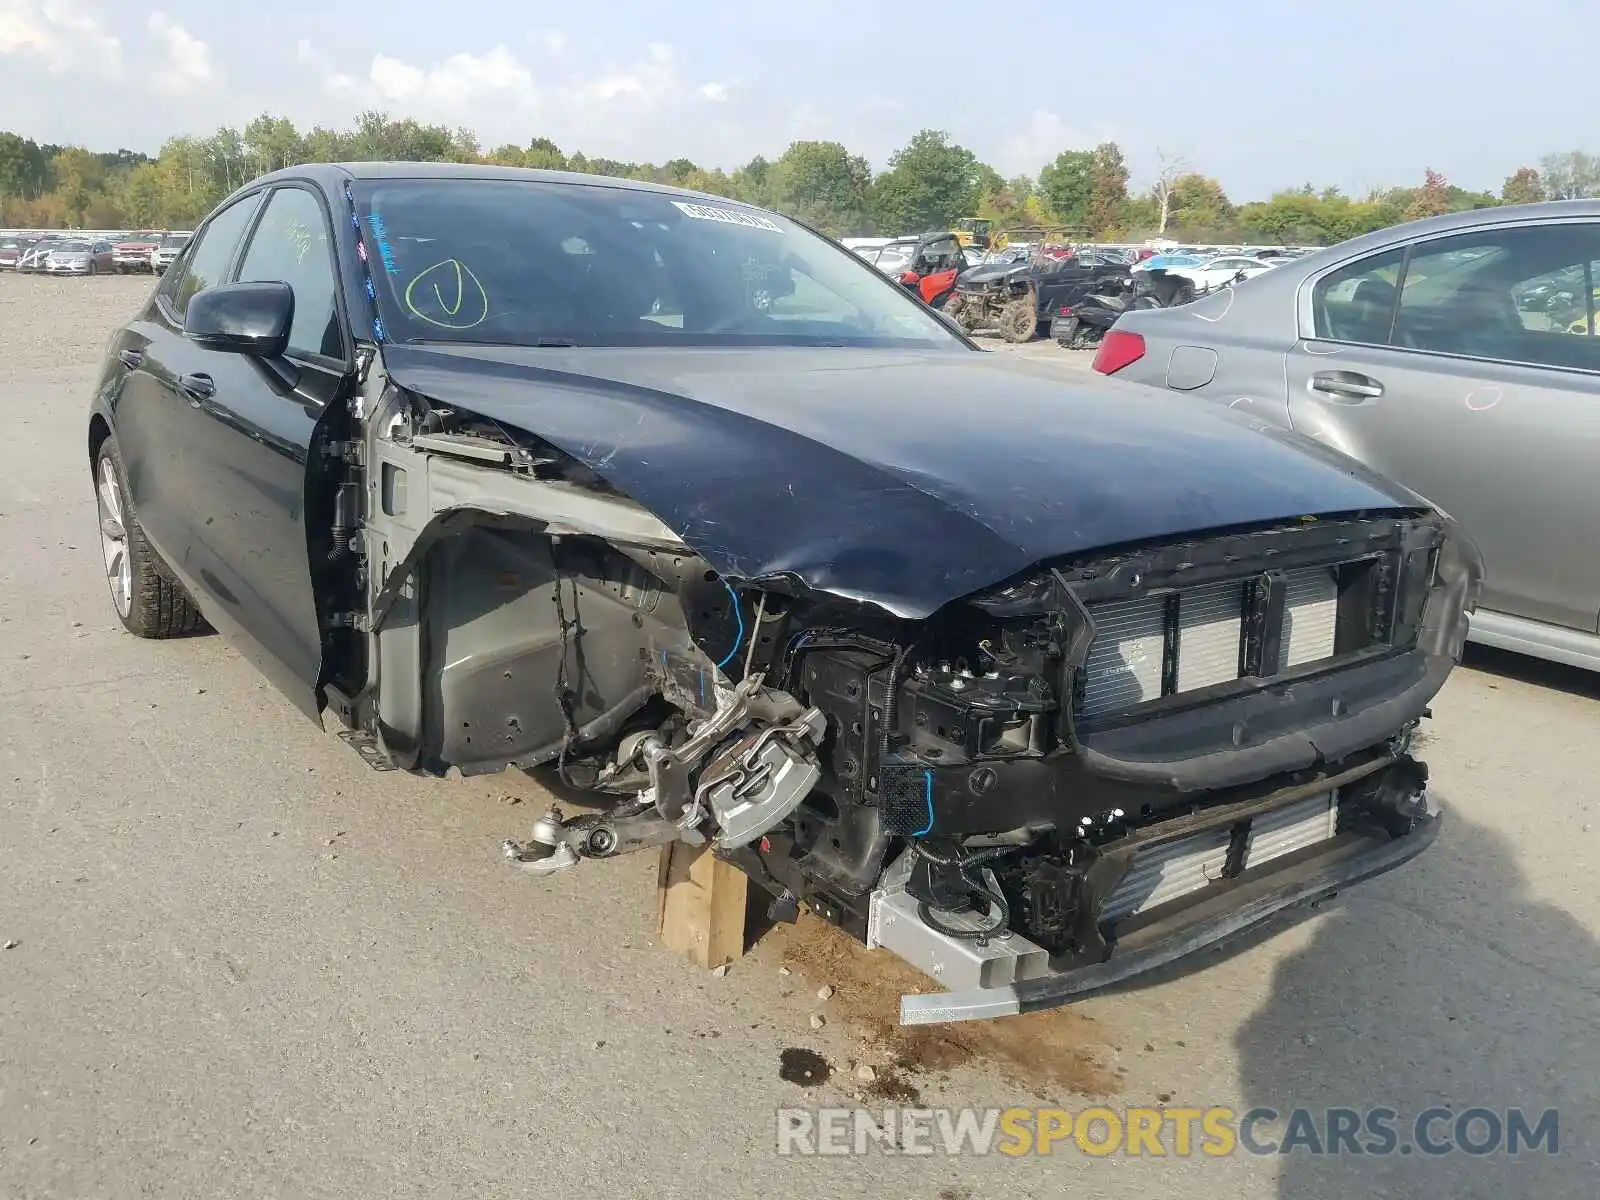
[[532, 263], [71, 247], [174, 241]]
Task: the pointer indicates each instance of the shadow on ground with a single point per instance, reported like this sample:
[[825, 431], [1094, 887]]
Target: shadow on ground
[[1420, 993], [1559, 677]]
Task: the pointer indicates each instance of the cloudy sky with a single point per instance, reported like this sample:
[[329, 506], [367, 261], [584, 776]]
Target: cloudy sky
[[1260, 93]]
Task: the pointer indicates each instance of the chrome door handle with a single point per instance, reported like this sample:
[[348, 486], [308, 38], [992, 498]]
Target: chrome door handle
[[1347, 387]]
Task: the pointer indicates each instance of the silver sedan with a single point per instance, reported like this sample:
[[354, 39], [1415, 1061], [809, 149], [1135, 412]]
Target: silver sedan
[[1459, 355]]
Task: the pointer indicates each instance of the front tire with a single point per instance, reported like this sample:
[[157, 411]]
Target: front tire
[[146, 599], [1020, 321]]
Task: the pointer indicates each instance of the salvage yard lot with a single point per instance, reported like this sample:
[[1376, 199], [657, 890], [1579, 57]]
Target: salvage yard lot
[[244, 964]]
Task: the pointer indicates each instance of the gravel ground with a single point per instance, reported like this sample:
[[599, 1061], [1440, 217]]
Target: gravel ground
[[245, 965]]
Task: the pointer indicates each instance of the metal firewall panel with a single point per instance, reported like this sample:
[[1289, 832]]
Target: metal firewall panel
[[1310, 616], [1124, 663], [1209, 631]]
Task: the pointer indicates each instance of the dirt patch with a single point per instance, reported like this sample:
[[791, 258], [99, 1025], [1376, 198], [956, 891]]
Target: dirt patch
[[1049, 1053], [806, 1068]]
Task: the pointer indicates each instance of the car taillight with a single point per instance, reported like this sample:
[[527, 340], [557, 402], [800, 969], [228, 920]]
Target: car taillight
[[1066, 310], [1118, 348]]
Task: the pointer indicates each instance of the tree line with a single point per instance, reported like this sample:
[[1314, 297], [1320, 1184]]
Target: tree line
[[929, 183]]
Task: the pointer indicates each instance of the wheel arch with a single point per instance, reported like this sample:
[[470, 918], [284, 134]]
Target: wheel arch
[[99, 431]]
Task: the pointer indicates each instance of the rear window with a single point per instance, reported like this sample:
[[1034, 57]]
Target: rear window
[[534, 263]]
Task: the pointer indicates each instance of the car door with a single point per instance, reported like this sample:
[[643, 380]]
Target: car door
[[249, 439], [1421, 362], [938, 263], [151, 413]]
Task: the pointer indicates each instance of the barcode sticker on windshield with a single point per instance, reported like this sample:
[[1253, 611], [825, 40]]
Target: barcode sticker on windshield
[[728, 216]]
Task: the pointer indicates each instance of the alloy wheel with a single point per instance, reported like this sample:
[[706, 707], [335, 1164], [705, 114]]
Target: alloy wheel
[[114, 538]]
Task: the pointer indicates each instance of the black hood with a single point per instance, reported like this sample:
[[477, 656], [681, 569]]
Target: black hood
[[991, 272], [903, 479]]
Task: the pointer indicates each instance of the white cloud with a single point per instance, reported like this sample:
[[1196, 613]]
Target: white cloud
[[60, 35], [186, 63], [453, 85], [1037, 143], [499, 93]]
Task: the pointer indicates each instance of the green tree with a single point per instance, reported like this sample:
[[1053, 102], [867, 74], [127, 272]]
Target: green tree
[[753, 182], [930, 184], [1523, 186], [23, 169], [1108, 189], [822, 184], [1570, 176], [79, 177], [142, 197], [1067, 185], [545, 155], [1198, 209], [271, 144]]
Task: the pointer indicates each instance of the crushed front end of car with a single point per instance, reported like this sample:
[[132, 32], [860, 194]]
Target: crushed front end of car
[[1150, 752], [1027, 793]]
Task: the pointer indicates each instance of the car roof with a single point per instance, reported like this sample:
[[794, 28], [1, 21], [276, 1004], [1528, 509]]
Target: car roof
[[334, 175], [1471, 218]]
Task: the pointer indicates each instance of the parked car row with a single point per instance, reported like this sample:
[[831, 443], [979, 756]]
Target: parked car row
[[69, 253]]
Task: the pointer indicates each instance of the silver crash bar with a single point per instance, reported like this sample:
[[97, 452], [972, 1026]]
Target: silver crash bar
[[1009, 974]]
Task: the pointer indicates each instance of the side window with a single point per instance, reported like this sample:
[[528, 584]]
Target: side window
[[1356, 303], [205, 263], [291, 246], [943, 254], [1518, 294]]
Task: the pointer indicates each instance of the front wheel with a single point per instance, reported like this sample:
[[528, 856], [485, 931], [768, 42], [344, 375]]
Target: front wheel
[[1020, 321], [966, 313], [147, 600]]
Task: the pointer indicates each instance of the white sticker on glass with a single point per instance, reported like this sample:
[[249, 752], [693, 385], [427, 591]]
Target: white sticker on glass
[[728, 216]]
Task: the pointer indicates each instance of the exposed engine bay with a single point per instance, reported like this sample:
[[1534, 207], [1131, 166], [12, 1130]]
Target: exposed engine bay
[[1018, 794]]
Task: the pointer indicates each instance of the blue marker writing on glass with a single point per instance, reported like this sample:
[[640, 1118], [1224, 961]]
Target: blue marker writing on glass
[[380, 234]]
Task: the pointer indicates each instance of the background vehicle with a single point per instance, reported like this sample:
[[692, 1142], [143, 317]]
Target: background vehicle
[[10, 251], [1021, 297], [171, 246], [974, 231], [929, 267], [34, 252], [811, 583], [1165, 262], [77, 256], [1409, 350], [132, 253], [1082, 323], [1215, 272]]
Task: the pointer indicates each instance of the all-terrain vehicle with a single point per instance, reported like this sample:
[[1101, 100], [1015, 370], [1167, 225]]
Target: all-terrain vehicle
[[1022, 295], [926, 266]]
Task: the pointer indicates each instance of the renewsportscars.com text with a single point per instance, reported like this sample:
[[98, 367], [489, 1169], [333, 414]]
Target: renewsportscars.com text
[[1215, 1132]]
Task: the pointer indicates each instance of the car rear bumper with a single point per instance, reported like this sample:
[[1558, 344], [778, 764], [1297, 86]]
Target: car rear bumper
[[1010, 974]]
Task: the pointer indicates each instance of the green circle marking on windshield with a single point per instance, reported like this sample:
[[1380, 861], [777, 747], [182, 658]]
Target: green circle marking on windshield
[[452, 299]]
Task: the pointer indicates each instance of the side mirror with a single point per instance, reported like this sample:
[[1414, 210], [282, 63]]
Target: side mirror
[[242, 318]]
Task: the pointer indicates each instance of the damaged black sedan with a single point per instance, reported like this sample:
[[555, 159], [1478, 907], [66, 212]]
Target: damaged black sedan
[[1036, 684]]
